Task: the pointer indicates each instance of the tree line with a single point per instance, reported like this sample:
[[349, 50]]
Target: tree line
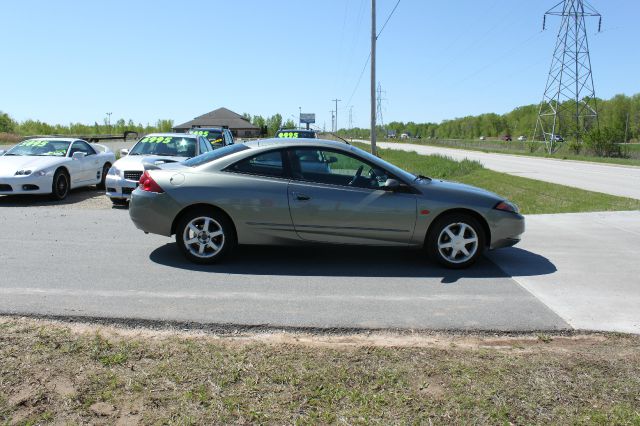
[[618, 116]]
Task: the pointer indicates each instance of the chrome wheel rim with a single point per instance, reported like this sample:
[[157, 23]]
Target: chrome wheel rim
[[61, 186], [458, 242], [203, 237]]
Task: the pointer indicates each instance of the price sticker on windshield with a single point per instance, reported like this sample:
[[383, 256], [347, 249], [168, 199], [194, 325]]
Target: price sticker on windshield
[[34, 143], [156, 139], [200, 132], [288, 135]]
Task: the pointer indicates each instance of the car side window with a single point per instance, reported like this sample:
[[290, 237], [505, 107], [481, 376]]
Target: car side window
[[204, 145], [265, 164], [230, 140], [335, 168], [81, 146]]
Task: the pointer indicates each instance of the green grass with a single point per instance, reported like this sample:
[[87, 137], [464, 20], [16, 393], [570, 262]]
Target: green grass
[[50, 374], [532, 196], [522, 148]]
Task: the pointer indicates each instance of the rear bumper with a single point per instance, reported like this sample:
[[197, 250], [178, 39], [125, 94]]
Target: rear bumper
[[152, 212]]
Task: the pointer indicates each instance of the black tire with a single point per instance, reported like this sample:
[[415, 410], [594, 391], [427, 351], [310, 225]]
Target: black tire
[[452, 254], [103, 177], [60, 185], [119, 202], [209, 245]]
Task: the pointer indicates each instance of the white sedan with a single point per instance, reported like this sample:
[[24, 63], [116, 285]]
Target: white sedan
[[53, 166]]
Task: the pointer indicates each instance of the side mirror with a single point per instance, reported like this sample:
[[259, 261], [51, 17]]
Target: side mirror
[[78, 155], [124, 152], [391, 185]]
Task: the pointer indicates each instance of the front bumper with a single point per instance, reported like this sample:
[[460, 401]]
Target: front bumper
[[31, 184], [507, 229], [119, 188]]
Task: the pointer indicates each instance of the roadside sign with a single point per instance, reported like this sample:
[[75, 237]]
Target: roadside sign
[[307, 118]]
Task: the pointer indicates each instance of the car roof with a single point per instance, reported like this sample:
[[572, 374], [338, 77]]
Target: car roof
[[297, 130], [206, 128], [53, 138], [321, 143]]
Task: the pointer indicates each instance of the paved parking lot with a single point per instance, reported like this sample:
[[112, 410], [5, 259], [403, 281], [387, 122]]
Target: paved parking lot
[[85, 258]]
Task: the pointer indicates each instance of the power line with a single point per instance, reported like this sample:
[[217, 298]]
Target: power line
[[389, 17]]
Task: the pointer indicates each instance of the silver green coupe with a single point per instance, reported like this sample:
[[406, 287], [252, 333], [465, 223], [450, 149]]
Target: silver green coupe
[[276, 191]]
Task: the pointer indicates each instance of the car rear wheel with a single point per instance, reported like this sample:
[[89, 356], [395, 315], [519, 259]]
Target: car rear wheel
[[205, 236], [60, 185], [456, 241]]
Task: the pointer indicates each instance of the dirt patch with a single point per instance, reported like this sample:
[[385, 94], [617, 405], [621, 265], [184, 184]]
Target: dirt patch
[[87, 374]]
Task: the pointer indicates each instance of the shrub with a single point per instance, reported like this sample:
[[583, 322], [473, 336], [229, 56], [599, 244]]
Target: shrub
[[604, 142]]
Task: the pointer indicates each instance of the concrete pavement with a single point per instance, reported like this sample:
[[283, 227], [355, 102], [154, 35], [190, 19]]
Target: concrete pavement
[[612, 179]]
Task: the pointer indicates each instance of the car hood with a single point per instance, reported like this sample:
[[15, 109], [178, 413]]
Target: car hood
[[458, 189], [9, 165], [135, 162]]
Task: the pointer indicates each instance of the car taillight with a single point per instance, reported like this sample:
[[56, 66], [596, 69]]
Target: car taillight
[[147, 183]]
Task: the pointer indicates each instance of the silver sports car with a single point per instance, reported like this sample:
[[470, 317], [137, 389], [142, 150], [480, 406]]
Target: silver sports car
[[279, 191]]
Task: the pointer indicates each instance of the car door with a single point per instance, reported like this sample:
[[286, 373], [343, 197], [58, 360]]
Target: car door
[[337, 197], [257, 198], [86, 169]]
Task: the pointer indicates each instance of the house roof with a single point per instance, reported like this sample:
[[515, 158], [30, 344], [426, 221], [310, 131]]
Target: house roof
[[218, 118]]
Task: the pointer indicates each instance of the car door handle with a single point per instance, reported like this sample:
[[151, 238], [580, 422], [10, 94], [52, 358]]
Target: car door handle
[[301, 197]]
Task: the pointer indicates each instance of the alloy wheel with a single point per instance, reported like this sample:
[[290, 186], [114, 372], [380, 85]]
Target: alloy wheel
[[203, 237]]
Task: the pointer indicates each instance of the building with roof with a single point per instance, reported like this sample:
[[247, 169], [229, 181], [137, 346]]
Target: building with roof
[[222, 117]]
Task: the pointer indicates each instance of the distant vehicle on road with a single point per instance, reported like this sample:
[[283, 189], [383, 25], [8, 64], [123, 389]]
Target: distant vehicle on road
[[274, 192], [507, 138], [218, 136], [155, 148], [53, 166], [296, 133], [556, 138], [482, 138], [522, 138]]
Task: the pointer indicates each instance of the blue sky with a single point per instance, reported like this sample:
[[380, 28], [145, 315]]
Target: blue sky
[[71, 61]]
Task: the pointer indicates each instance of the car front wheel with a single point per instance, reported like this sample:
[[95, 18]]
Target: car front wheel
[[456, 241], [60, 185], [205, 236]]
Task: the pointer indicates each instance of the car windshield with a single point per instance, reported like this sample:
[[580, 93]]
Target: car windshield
[[296, 134], [171, 146], [214, 155], [402, 174], [40, 147], [212, 136]]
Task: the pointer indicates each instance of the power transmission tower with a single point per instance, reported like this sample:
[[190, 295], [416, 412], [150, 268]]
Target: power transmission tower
[[379, 100], [568, 104], [351, 117]]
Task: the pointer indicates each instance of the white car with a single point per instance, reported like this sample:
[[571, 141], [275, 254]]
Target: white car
[[156, 148], [522, 138], [53, 166]]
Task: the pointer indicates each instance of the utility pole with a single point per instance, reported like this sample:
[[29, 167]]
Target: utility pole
[[626, 129], [333, 120], [299, 116], [109, 121], [336, 101], [351, 117], [373, 77]]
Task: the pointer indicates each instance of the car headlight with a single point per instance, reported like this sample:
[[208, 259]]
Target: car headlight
[[507, 206], [41, 173], [113, 171], [23, 173]]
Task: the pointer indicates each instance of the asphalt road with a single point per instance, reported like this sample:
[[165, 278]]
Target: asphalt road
[[93, 262], [84, 258], [599, 177]]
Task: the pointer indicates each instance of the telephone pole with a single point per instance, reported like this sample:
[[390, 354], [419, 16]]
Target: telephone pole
[[351, 117], [336, 101], [333, 120], [109, 121], [373, 77]]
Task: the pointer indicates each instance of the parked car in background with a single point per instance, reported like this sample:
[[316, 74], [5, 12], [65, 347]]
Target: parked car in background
[[522, 138], [482, 138], [156, 148], [507, 138], [53, 166], [315, 191], [296, 134], [556, 138], [218, 136]]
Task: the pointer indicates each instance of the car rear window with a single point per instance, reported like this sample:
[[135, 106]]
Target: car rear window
[[214, 155]]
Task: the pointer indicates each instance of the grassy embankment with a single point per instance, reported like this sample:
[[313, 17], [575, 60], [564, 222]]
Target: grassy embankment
[[54, 373], [532, 196]]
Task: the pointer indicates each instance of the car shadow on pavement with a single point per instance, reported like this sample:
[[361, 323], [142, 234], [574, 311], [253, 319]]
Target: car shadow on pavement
[[344, 261], [75, 196]]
